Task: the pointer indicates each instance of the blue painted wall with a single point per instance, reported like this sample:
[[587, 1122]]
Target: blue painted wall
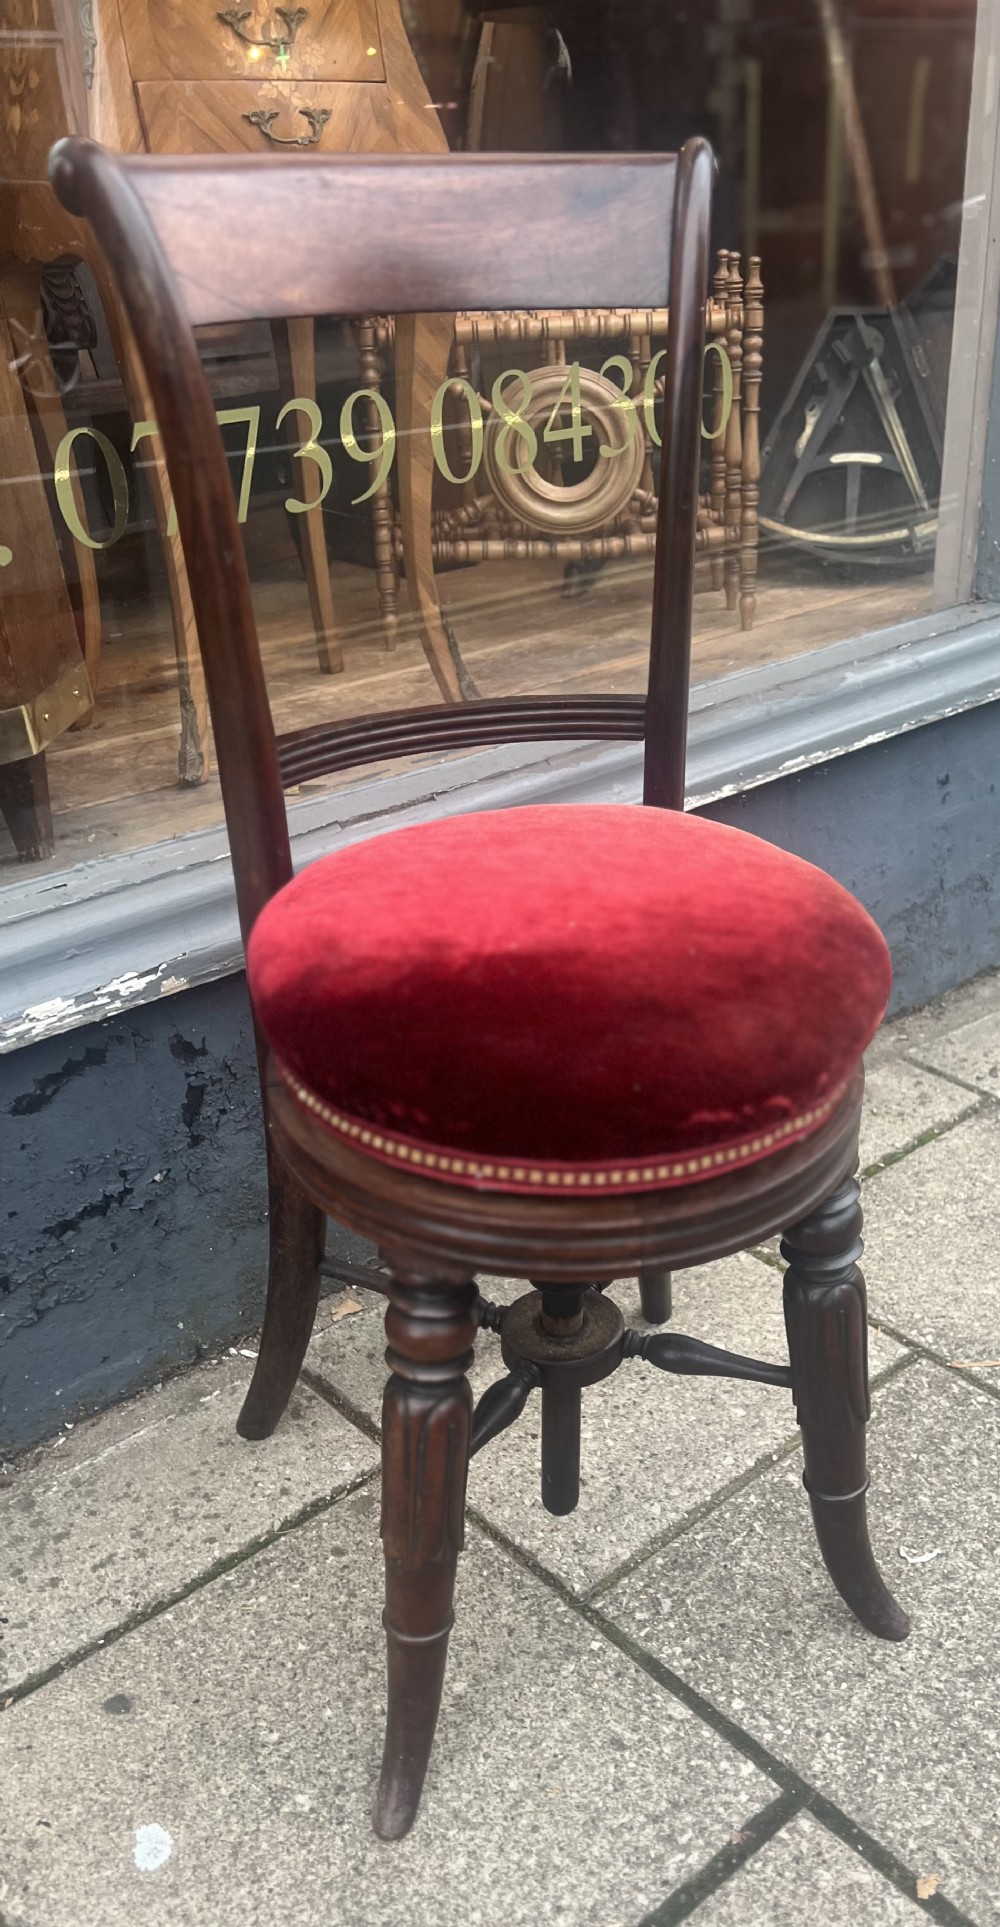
[[134, 1205], [134, 1201]]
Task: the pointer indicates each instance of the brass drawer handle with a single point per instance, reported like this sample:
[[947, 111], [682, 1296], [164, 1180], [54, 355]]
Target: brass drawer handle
[[293, 17], [263, 117]]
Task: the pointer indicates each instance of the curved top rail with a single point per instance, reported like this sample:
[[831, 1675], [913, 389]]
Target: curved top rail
[[281, 234]]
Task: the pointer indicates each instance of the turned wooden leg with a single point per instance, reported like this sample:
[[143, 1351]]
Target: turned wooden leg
[[826, 1321], [295, 344], [656, 1296], [426, 1433], [297, 1239], [25, 807], [423, 349]]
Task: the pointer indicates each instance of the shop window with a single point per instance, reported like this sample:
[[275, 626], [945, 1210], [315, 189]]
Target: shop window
[[485, 528]]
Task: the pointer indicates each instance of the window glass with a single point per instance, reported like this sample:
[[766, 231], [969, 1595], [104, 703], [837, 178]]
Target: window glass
[[486, 529]]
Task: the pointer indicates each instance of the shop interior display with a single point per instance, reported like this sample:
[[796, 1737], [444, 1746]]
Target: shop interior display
[[588, 494], [840, 128], [171, 76], [44, 685], [852, 465]]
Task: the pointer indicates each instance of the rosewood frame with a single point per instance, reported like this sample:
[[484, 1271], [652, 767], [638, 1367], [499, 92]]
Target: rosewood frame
[[195, 240]]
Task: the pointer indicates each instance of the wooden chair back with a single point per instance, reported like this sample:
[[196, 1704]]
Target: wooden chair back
[[199, 240]]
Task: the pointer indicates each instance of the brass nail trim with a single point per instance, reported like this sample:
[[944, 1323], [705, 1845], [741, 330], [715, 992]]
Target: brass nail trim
[[508, 1174]]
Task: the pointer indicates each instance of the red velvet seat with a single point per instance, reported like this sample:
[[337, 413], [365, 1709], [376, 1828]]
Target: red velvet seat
[[568, 997]]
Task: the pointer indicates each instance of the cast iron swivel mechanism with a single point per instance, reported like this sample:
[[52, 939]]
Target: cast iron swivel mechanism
[[563, 1340]]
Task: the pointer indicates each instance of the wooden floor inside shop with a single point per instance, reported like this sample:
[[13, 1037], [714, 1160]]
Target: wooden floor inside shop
[[114, 783]]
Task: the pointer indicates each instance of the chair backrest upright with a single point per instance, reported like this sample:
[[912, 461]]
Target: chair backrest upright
[[196, 240]]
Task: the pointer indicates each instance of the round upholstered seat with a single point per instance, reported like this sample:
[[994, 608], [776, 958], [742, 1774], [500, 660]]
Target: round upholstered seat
[[567, 997]]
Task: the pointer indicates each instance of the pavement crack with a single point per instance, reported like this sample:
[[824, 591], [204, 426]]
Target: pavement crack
[[792, 1784], [717, 1872], [930, 1136], [345, 1406], [929, 1356], [12, 1695], [692, 1517], [988, 1099]]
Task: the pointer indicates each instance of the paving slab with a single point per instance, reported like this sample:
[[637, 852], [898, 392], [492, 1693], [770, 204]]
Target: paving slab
[[129, 1507], [971, 1053], [903, 1101], [807, 1874], [933, 1253], [957, 1008], [653, 1446], [905, 1739], [218, 1764]]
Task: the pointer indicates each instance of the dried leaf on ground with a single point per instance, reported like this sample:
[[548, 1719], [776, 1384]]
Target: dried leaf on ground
[[343, 1309]]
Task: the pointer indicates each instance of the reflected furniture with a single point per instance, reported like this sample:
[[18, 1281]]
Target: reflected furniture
[[184, 76], [44, 686], [610, 512], [565, 1044]]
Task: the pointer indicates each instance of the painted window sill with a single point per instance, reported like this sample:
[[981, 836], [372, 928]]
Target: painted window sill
[[108, 935]]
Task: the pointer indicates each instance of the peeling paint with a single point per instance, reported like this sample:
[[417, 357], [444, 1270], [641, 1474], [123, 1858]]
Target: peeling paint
[[48, 1087], [59, 1014]]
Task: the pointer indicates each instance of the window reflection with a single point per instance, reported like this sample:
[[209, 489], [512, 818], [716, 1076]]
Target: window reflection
[[841, 130]]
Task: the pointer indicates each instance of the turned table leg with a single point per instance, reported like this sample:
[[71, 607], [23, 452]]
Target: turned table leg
[[423, 347], [193, 756], [295, 342]]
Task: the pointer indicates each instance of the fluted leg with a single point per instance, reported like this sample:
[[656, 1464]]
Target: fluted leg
[[426, 1434], [825, 1316], [297, 1238], [656, 1296]]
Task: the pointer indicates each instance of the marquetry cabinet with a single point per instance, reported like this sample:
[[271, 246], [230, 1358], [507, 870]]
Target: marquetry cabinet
[[184, 76]]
